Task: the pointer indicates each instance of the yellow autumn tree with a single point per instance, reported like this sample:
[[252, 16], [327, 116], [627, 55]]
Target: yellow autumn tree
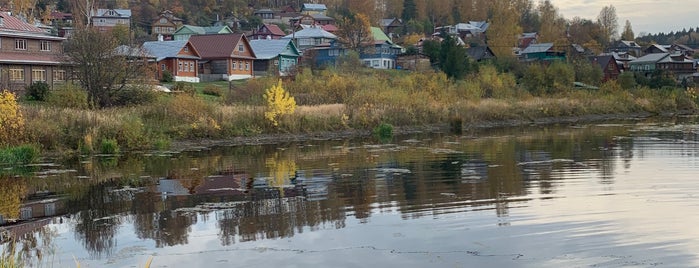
[[11, 120], [279, 103]]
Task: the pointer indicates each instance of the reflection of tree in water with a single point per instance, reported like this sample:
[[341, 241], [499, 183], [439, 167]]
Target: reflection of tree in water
[[157, 220], [12, 191], [31, 248], [282, 168], [100, 212]]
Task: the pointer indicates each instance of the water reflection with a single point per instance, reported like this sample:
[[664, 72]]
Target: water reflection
[[257, 193]]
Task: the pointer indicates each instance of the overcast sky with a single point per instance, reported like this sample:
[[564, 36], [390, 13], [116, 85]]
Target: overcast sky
[[649, 16]]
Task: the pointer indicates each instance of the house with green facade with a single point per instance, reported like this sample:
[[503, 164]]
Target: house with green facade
[[274, 56], [542, 52], [185, 31]]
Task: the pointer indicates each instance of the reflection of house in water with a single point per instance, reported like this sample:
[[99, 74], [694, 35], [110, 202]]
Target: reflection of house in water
[[32, 216], [315, 187], [474, 171]]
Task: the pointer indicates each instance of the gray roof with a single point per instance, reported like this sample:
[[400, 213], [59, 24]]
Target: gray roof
[[537, 48], [124, 13], [268, 49], [136, 52], [650, 58], [166, 49], [311, 32]]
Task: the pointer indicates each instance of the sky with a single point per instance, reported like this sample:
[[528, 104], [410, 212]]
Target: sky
[[649, 16]]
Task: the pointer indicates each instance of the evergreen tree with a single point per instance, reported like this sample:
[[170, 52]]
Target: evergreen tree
[[452, 58], [627, 34], [409, 10]]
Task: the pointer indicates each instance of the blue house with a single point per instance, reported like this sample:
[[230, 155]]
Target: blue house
[[326, 55], [382, 53]]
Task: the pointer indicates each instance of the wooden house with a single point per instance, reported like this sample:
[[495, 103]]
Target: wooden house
[[609, 66], [28, 55], [107, 19], [224, 56], [267, 31], [185, 31], [165, 25], [179, 58], [277, 56]]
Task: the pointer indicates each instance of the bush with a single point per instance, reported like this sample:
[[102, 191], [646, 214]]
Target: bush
[[135, 95], [109, 146], [19, 155], [68, 96], [279, 103], [185, 87], [167, 77], [383, 131], [11, 120], [212, 90], [38, 91]]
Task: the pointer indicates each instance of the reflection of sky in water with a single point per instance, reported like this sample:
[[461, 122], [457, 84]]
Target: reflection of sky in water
[[636, 208]]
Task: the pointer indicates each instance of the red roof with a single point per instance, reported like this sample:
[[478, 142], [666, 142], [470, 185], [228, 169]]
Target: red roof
[[217, 46], [61, 15], [10, 23], [329, 28], [275, 30]]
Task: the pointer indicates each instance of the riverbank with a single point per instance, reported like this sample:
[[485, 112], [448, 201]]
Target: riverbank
[[279, 138]]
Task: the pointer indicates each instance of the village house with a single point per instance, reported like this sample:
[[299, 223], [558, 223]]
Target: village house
[[28, 55], [267, 31], [675, 63], [541, 52], [480, 53], [179, 58], [224, 56], [165, 25], [393, 26], [106, 19], [609, 66], [186, 31], [311, 9], [279, 57], [382, 53], [311, 36]]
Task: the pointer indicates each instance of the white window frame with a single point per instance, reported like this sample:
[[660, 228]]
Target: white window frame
[[45, 45], [21, 44], [16, 74], [38, 75], [59, 75]]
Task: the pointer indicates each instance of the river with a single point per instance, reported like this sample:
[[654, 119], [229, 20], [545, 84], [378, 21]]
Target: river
[[592, 195]]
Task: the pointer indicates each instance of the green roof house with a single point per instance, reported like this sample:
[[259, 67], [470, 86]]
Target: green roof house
[[185, 31]]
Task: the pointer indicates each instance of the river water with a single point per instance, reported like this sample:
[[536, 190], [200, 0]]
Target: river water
[[597, 195]]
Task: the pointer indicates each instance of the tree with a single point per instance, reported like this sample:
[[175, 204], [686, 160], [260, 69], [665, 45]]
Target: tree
[[504, 28], [553, 26], [11, 120], [101, 69], [608, 22], [453, 59], [627, 34], [409, 10], [355, 31], [279, 103]]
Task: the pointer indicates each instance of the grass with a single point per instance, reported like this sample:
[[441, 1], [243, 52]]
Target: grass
[[330, 100]]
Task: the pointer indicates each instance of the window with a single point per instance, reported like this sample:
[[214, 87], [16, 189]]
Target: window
[[241, 48], [59, 75], [186, 49], [163, 20], [21, 44], [179, 67], [45, 45], [276, 62], [17, 74], [163, 67], [247, 66], [240, 65], [191, 66], [38, 75]]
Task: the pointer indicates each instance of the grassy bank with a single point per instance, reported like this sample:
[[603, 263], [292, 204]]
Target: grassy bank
[[330, 100]]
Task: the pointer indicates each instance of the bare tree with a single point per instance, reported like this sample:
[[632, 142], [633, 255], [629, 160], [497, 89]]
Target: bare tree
[[83, 9], [609, 23], [102, 69], [355, 31]]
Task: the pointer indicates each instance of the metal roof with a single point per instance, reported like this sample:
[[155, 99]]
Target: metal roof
[[318, 7], [311, 32], [653, 58], [537, 48], [268, 49], [165, 49]]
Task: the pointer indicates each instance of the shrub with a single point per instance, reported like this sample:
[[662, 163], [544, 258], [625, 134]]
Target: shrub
[[279, 103], [383, 131], [134, 95], [185, 87], [109, 146], [19, 155], [167, 77], [11, 120], [38, 91], [68, 96], [212, 90]]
